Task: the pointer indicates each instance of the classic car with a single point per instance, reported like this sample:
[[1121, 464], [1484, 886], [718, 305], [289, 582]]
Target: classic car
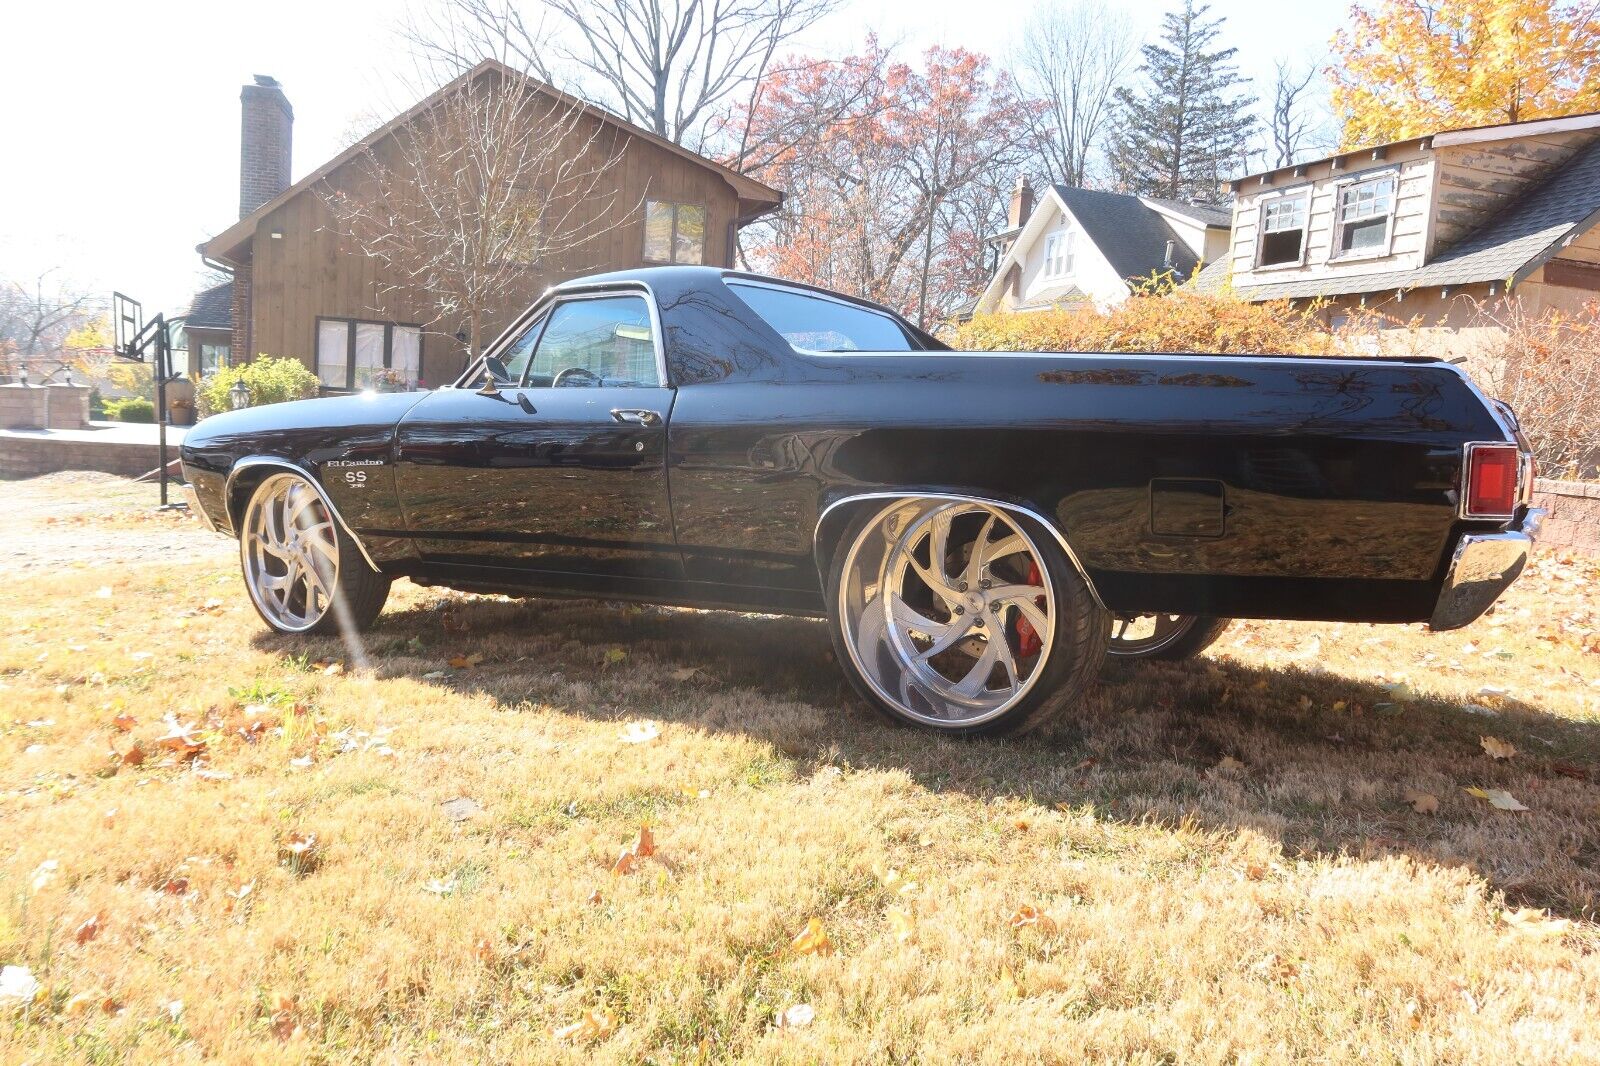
[[978, 529]]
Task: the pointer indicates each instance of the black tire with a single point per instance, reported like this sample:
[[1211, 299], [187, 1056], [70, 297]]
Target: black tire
[[1200, 633], [1076, 655], [358, 591]]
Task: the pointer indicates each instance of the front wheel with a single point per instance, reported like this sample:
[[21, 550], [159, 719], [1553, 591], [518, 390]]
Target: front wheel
[[1165, 637], [303, 572], [961, 618]]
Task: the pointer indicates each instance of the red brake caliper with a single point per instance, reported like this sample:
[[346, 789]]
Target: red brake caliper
[[1028, 642]]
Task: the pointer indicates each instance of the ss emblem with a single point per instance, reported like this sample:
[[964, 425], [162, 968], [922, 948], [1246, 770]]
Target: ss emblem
[[355, 477]]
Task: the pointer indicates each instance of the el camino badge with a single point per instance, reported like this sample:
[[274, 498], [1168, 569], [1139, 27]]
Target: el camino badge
[[352, 476]]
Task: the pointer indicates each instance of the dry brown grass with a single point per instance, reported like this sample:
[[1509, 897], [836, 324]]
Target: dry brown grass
[[1221, 853]]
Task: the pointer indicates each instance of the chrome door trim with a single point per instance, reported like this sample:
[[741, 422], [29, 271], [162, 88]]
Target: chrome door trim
[[1005, 505], [252, 461]]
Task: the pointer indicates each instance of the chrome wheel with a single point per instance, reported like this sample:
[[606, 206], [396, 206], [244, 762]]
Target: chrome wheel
[[1145, 634], [946, 611], [290, 552]]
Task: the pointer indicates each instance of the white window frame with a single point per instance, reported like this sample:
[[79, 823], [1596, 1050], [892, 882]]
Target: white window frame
[[1059, 254], [1391, 174], [1303, 194], [350, 326]]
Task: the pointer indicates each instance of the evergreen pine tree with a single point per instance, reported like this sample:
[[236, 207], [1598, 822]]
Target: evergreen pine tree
[[1186, 127]]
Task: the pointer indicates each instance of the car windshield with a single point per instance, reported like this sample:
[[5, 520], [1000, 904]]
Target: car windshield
[[819, 324]]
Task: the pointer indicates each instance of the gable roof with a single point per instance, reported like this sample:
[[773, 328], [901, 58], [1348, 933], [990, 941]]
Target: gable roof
[[1514, 244], [211, 308], [1129, 233], [1205, 214], [761, 197]]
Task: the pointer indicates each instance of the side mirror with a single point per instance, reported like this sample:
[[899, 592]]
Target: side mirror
[[493, 371]]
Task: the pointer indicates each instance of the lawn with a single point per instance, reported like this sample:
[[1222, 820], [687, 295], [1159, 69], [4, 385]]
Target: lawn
[[229, 846]]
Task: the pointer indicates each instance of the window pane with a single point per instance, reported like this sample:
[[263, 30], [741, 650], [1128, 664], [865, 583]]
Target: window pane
[[369, 351], [657, 232], [517, 355], [691, 243], [406, 358], [606, 341], [333, 347], [819, 324]]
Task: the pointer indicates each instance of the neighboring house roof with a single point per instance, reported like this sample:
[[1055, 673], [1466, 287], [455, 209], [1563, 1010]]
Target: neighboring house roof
[[1514, 244], [1129, 233], [1213, 277], [211, 308], [1205, 214], [760, 197], [1053, 297]]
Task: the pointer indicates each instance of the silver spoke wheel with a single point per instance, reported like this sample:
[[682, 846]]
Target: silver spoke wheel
[[290, 553], [1145, 634], [946, 610]]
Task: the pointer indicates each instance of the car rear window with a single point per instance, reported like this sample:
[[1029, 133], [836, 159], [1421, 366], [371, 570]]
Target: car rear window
[[819, 324]]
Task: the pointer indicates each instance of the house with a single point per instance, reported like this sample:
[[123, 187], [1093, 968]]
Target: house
[[1427, 229], [303, 290], [1084, 246]]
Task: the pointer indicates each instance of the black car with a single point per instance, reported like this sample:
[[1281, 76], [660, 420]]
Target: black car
[[979, 529]]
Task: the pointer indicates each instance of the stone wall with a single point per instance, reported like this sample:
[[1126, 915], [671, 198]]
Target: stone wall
[[29, 456], [1573, 520]]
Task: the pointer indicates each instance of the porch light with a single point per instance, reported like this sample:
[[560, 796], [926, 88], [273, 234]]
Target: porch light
[[239, 395], [22, 375]]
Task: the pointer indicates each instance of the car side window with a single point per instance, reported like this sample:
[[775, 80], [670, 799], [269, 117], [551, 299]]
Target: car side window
[[600, 341], [516, 357], [819, 324]]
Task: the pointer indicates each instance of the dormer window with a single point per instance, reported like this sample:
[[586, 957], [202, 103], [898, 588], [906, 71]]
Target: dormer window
[[1282, 241], [1363, 217], [1058, 254]]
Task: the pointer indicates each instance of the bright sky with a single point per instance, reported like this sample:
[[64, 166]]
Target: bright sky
[[119, 122]]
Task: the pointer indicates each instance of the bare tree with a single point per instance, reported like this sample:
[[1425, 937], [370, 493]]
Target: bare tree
[[477, 199], [670, 67], [1291, 124], [1072, 58], [36, 316]]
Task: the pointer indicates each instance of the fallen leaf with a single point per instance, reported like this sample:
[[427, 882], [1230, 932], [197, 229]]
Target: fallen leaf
[[285, 1025], [1535, 922], [1497, 798], [466, 662], [1577, 773], [1021, 824], [594, 1025], [1229, 765], [625, 863], [1496, 748], [440, 887], [796, 1016], [300, 852], [45, 872], [180, 738], [812, 940], [78, 1005], [1422, 802], [646, 845], [238, 895], [124, 722], [1256, 871], [134, 756], [640, 732], [484, 950], [901, 924], [87, 930], [333, 669], [1029, 915], [176, 886], [684, 674], [595, 899]]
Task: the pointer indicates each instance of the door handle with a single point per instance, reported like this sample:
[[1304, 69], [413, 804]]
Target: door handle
[[636, 416]]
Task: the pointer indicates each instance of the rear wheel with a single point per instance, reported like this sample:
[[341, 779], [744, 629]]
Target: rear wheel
[[303, 572], [962, 618], [1167, 637]]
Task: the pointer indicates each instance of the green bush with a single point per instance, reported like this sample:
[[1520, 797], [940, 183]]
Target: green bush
[[132, 409], [269, 381]]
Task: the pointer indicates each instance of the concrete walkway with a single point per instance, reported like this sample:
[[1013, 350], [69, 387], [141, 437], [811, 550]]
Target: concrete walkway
[[104, 433]]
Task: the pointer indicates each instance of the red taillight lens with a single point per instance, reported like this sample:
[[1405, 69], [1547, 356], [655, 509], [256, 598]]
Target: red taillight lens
[[1492, 480]]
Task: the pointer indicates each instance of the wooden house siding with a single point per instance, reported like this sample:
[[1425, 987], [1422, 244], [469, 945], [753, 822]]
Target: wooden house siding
[[1409, 231], [1478, 180], [311, 271]]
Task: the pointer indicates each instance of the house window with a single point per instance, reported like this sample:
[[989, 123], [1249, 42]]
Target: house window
[[213, 357], [357, 354], [1363, 217], [1283, 230], [1058, 254], [674, 233]]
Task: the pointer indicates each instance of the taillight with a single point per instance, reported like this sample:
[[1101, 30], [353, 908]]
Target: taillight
[[1491, 489]]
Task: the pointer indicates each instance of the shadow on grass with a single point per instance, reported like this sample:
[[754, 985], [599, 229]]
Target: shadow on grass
[[1144, 747]]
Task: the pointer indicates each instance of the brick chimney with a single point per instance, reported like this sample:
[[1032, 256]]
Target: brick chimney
[[1021, 204], [265, 130]]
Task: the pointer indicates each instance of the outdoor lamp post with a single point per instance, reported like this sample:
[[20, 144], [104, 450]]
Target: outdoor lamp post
[[22, 375], [239, 395]]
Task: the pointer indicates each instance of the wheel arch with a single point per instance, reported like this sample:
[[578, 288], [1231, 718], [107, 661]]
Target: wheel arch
[[248, 473], [837, 515]]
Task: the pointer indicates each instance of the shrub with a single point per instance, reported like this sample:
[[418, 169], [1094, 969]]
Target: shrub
[[1549, 372], [131, 409], [269, 381]]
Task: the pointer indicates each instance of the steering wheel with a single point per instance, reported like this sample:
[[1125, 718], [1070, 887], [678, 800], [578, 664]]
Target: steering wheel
[[589, 376]]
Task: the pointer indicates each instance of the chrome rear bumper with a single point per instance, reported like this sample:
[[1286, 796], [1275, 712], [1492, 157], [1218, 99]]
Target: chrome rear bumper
[[1483, 566]]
